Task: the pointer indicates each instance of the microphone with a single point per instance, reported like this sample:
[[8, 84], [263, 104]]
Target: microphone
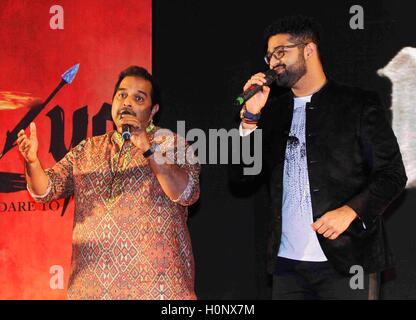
[[271, 76], [126, 135], [125, 128]]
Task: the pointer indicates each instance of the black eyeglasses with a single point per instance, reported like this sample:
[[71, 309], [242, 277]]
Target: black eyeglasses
[[280, 51]]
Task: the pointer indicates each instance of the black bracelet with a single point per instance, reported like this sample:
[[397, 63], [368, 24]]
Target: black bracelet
[[148, 153]]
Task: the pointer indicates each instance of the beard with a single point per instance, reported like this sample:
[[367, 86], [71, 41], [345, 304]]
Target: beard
[[291, 74]]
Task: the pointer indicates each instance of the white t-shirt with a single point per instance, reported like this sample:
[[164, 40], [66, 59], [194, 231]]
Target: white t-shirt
[[299, 241]]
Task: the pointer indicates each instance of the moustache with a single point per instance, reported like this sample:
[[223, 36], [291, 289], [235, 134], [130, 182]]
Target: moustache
[[124, 111], [279, 66]]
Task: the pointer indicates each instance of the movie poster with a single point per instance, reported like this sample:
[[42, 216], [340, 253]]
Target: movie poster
[[59, 62]]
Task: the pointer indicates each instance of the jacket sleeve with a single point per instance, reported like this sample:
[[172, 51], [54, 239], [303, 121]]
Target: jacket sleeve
[[387, 173], [249, 167]]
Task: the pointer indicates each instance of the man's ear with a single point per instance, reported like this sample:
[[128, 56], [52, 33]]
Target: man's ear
[[310, 49], [155, 109]]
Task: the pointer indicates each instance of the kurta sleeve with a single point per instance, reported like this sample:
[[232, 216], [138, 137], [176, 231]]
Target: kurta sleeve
[[60, 178], [175, 150]]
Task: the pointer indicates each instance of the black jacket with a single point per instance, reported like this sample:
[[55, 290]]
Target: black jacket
[[353, 159]]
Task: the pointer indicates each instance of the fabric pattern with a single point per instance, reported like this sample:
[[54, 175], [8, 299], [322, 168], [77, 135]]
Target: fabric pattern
[[130, 241]]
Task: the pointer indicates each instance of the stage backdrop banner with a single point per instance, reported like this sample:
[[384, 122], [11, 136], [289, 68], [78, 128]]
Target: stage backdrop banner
[[40, 41]]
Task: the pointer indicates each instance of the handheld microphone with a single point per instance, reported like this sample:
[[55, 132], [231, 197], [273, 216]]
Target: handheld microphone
[[126, 135], [271, 76], [125, 128]]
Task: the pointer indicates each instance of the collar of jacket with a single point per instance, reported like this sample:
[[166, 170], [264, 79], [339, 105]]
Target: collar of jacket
[[320, 94]]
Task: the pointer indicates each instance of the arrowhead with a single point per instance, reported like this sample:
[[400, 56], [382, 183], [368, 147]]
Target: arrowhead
[[70, 74]]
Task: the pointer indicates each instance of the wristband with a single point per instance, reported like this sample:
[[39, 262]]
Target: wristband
[[151, 150], [245, 114]]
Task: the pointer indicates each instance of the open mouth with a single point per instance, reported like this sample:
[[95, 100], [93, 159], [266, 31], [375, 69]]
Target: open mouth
[[126, 111], [279, 69]]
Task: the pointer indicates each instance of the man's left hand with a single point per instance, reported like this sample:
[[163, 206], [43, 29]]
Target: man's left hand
[[333, 223]]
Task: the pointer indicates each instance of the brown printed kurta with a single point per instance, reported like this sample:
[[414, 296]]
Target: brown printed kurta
[[130, 241]]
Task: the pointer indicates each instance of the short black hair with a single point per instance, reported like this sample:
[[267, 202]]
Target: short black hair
[[305, 29], [140, 72]]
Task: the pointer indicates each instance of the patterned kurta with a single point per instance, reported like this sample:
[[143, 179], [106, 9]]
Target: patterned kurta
[[130, 240]]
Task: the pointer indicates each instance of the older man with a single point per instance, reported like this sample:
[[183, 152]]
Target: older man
[[130, 235]]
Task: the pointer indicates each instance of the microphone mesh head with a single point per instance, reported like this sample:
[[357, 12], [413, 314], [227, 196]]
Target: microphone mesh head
[[126, 135]]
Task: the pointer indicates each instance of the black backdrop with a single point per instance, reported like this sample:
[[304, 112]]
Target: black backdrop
[[203, 52]]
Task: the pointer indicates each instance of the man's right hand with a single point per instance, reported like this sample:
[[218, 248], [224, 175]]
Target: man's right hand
[[28, 147], [258, 101]]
